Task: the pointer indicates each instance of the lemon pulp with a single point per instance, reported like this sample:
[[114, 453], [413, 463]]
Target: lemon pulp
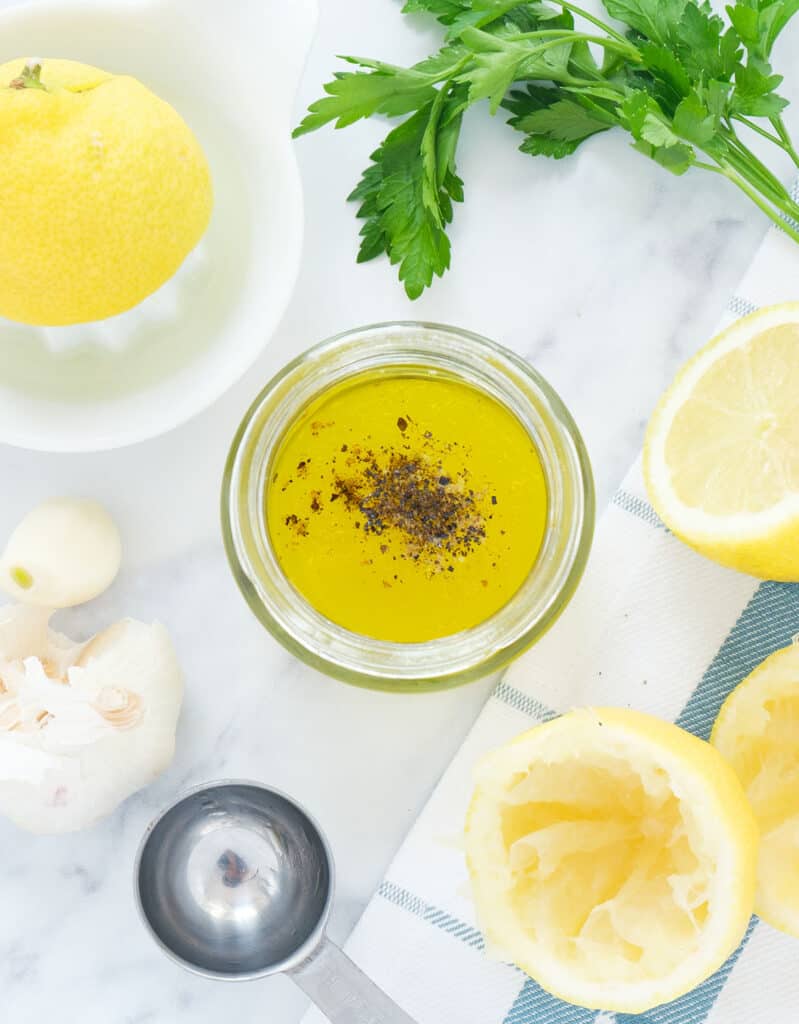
[[612, 857], [757, 731], [620, 892], [721, 458], [406, 507], [741, 426]]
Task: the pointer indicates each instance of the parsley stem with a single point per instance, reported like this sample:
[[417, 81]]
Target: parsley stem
[[570, 36], [759, 201], [760, 131], [594, 20], [779, 127], [782, 139], [782, 131], [430, 154], [584, 85], [749, 167], [755, 171], [753, 168]]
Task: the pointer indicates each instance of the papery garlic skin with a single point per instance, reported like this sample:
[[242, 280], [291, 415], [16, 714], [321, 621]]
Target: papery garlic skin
[[82, 726], [64, 552]]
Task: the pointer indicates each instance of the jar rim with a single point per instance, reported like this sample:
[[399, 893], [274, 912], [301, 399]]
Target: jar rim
[[449, 660]]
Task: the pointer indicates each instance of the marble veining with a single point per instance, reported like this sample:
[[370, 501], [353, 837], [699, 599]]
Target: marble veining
[[603, 270]]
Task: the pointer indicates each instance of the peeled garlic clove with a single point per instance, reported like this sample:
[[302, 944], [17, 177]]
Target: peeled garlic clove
[[66, 551]]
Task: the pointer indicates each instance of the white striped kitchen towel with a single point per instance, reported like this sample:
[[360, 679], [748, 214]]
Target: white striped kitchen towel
[[653, 626]]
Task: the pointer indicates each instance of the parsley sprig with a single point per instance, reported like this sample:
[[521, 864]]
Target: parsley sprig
[[688, 85]]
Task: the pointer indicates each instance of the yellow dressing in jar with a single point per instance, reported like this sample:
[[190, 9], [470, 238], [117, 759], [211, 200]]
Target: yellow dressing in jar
[[405, 506]]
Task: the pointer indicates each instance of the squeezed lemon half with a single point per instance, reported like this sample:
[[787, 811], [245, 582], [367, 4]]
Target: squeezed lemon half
[[721, 458], [612, 857], [757, 731], [105, 192]]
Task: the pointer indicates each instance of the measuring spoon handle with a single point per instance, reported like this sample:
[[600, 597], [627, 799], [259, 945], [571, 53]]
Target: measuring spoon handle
[[343, 992]]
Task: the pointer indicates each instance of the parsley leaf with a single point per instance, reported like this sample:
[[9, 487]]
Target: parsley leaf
[[716, 97], [755, 94], [406, 194], [783, 11], [554, 122], [679, 78], [667, 79], [381, 89], [654, 137], [499, 61], [484, 12], [705, 49], [694, 122], [658, 20], [461, 14], [445, 10], [759, 23], [353, 95]]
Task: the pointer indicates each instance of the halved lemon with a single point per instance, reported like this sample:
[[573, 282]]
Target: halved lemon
[[757, 731], [612, 857], [721, 458]]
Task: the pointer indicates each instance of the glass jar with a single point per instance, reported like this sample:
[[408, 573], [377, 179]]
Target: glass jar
[[448, 661]]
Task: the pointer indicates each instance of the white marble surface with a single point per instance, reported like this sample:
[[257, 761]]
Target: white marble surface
[[603, 270]]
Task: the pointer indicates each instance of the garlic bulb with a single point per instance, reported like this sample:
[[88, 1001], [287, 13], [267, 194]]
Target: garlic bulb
[[82, 726], [64, 552]]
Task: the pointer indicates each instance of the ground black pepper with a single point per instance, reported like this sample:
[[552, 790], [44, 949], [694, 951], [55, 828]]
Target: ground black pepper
[[404, 496]]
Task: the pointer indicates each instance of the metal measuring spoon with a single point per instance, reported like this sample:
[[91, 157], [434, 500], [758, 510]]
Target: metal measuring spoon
[[235, 882]]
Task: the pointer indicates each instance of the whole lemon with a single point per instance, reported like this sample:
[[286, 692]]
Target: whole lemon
[[105, 190]]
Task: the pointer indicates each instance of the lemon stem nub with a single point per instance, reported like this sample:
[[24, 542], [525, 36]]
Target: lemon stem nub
[[31, 77]]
